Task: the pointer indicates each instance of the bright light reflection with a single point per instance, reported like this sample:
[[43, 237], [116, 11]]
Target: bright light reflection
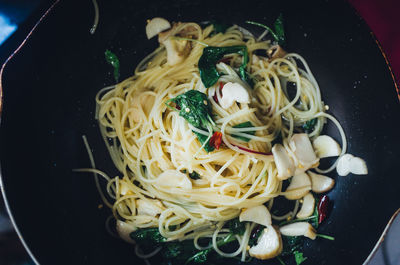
[[6, 28]]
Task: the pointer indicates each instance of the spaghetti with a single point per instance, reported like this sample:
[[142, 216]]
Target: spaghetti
[[169, 180]]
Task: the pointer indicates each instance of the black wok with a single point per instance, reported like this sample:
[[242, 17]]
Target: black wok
[[48, 104]]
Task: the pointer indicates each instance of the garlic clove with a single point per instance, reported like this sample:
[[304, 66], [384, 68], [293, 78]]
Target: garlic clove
[[326, 146], [124, 229], [320, 183], [301, 146], [177, 50], [343, 165], [298, 187], [299, 229], [283, 162], [155, 26], [257, 214], [358, 166], [233, 92], [149, 207], [173, 178], [269, 244], [307, 208]]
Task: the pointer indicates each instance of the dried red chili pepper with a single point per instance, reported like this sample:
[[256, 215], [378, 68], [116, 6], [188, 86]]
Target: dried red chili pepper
[[323, 208], [215, 97], [216, 140]]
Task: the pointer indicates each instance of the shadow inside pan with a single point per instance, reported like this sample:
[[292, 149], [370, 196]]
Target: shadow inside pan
[[49, 89]]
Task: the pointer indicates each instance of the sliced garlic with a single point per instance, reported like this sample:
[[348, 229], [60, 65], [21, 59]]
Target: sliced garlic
[[173, 178], [283, 162], [233, 92], [257, 214], [307, 208], [343, 165], [149, 207], [155, 26], [358, 166], [124, 229], [303, 151], [269, 244], [177, 50], [326, 146], [320, 183], [298, 187], [299, 229]]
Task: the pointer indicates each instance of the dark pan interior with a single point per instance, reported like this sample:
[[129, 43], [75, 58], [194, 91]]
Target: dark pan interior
[[49, 89]]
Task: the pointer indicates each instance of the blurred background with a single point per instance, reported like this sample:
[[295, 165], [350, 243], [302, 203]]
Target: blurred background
[[19, 15]]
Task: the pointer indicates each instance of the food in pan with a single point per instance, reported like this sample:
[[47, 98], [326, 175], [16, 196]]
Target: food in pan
[[212, 132]]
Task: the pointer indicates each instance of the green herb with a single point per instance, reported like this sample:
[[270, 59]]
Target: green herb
[[203, 138], [194, 107], [291, 244], [194, 175], [308, 126], [298, 257], [112, 59], [199, 257], [326, 237], [211, 55], [279, 30], [202, 256], [246, 124], [236, 227], [315, 217], [147, 236], [220, 27], [279, 34]]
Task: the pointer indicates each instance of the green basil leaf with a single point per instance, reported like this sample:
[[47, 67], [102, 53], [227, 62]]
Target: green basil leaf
[[211, 55], [246, 124]]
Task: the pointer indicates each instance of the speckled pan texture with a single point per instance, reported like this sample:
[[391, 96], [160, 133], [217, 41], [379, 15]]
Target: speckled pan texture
[[48, 104]]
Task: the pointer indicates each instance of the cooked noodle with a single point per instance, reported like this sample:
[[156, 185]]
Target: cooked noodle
[[146, 138]]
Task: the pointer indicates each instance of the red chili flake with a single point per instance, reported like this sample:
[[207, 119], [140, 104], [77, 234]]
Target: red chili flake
[[252, 151], [178, 107], [216, 140], [221, 85], [323, 208]]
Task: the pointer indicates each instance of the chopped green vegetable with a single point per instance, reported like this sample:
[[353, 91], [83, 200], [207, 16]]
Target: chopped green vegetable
[[194, 107], [147, 236], [326, 237], [220, 27], [291, 244], [202, 138], [199, 257], [298, 257], [112, 59], [279, 30], [211, 55], [194, 175], [279, 34], [308, 126], [236, 227], [314, 218], [202, 256], [246, 124]]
